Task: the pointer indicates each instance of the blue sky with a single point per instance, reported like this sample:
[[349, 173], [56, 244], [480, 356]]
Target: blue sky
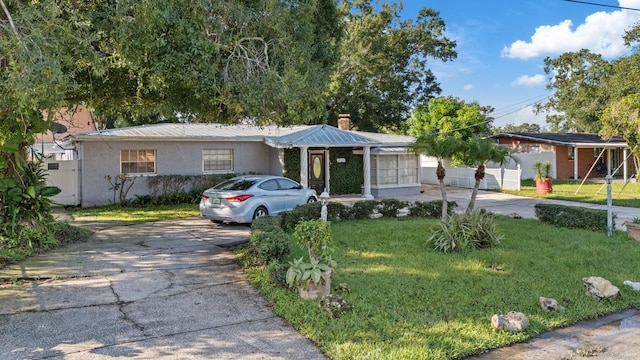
[[502, 44]]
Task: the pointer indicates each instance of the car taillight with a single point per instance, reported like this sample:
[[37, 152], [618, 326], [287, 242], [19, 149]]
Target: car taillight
[[205, 197], [239, 198]]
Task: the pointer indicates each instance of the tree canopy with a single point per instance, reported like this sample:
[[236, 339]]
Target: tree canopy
[[137, 61], [383, 68], [449, 117]]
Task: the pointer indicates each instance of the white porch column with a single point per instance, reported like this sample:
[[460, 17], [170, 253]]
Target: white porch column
[[367, 172], [609, 162], [575, 163], [625, 165], [304, 166]]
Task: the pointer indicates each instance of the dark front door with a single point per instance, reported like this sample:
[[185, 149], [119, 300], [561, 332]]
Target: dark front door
[[316, 173]]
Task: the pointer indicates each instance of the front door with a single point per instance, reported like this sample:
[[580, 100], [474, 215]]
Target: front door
[[316, 172]]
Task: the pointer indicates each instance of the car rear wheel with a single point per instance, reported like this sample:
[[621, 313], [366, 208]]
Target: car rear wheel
[[260, 211], [217, 221], [311, 200]]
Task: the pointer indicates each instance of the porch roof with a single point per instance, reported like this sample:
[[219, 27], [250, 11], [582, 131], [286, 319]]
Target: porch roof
[[572, 139]]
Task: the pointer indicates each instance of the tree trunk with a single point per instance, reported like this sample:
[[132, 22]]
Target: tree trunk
[[478, 176], [440, 173]]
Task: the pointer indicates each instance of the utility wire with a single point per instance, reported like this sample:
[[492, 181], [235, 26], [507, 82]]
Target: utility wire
[[603, 5]]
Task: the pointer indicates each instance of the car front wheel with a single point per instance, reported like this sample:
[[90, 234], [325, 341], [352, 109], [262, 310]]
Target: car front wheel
[[260, 211], [311, 200]]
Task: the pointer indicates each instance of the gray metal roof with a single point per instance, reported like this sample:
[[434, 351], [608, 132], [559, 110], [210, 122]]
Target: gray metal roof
[[275, 136], [574, 139]]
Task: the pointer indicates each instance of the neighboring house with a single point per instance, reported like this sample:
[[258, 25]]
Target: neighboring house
[[384, 162], [60, 159], [572, 155], [67, 122]]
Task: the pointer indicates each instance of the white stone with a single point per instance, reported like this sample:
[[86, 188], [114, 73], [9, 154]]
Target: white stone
[[600, 288], [634, 285], [513, 321], [549, 304]]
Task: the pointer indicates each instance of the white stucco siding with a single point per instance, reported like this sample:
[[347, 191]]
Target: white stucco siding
[[100, 159]]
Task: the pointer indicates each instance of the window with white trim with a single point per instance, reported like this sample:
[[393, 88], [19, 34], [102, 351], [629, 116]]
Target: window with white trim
[[217, 160], [138, 161]]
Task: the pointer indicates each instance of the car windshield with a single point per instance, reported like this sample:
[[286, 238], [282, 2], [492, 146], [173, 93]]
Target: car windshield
[[235, 184]]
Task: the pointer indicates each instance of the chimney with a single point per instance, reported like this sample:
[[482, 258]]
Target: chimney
[[344, 122]]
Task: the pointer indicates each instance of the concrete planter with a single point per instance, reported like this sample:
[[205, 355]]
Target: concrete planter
[[313, 291], [633, 230]]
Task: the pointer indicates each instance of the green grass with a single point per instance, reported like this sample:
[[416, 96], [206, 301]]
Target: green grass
[[138, 215], [590, 192], [412, 302]]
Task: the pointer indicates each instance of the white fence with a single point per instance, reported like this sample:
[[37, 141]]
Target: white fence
[[461, 176], [526, 161], [66, 176]]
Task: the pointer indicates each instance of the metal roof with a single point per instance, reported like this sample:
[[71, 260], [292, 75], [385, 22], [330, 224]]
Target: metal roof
[[574, 139], [275, 136]]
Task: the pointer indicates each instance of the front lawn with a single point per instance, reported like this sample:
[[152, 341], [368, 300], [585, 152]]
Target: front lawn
[[590, 192], [137, 215], [412, 302]]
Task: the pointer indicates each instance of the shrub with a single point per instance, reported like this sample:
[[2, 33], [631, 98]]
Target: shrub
[[338, 211], [315, 236], [278, 272], [268, 242], [432, 209], [390, 207], [464, 232], [572, 216], [293, 217], [363, 209]]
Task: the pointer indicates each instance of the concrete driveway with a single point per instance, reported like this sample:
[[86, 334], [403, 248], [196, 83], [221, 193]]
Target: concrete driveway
[[164, 290]]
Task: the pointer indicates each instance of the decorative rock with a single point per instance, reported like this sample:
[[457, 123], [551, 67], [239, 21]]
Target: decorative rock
[[550, 305], [634, 285], [600, 288], [334, 305], [513, 321], [515, 216]]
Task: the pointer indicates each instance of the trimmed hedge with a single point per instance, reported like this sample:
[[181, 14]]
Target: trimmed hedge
[[573, 216]]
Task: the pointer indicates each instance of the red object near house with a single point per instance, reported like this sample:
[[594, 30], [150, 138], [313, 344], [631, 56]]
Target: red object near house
[[544, 186]]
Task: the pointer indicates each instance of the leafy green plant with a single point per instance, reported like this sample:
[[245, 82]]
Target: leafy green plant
[[315, 237], [268, 242], [431, 209], [291, 218], [573, 216], [390, 207], [542, 169], [301, 272], [364, 209], [121, 184], [464, 232]]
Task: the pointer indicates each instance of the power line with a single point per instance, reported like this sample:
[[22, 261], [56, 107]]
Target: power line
[[603, 5]]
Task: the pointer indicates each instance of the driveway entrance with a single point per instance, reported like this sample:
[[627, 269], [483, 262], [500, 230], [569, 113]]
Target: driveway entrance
[[164, 290]]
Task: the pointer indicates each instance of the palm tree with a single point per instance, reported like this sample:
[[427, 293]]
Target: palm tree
[[441, 148], [477, 152]]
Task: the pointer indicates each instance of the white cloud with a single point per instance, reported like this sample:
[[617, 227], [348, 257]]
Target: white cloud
[[468, 87], [601, 33], [526, 80]]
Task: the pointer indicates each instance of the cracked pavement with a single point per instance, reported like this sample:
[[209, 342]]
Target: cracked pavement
[[163, 290]]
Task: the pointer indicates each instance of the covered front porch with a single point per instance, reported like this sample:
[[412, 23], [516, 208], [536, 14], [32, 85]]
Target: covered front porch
[[383, 162]]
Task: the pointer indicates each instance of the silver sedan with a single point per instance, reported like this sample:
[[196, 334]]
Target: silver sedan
[[244, 198]]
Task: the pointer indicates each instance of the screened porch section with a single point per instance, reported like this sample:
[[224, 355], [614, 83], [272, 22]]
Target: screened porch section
[[394, 172]]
